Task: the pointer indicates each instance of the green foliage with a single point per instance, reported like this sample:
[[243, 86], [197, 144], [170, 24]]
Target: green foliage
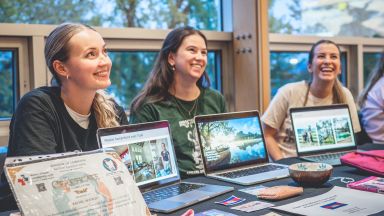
[[370, 61], [162, 14], [283, 71], [6, 84], [49, 11], [129, 73]]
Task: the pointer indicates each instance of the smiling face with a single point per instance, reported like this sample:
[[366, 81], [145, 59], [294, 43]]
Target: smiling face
[[325, 65], [190, 59], [88, 65]]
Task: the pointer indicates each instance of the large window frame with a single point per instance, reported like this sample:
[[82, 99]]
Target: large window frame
[[20, 47]]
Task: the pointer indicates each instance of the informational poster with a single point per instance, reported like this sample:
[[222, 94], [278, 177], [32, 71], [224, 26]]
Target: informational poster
[[338, 202], [79, 184]]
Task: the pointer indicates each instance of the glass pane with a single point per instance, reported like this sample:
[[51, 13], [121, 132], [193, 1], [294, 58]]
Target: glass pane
[[287, 67], [130, 71], [370, 61], [213, 69], [327, 18], [7, 84], [152, 14]]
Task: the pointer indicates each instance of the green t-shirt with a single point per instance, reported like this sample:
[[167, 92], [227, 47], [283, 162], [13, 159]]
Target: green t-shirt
[[180, 115]]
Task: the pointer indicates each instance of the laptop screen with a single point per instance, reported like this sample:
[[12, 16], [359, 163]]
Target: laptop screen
[[231, 140], [146, 149], [322, 128]]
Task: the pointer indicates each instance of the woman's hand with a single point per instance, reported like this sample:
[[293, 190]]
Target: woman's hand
[[190, 212]]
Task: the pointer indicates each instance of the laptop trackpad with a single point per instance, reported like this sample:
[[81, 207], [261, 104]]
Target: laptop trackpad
[[189, 197], [166, 205]]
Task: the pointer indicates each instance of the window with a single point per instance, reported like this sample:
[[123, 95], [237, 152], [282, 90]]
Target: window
[[154, 14], [130, 70], [327, 18], [8, 84], [370, 61], [287, 67]]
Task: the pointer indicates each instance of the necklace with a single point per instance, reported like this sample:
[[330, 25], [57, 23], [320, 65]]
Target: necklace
[[184, 110]]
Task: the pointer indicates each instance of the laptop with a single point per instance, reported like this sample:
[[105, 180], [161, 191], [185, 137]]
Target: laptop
[[147, 151], [234, 150], [323, 133]]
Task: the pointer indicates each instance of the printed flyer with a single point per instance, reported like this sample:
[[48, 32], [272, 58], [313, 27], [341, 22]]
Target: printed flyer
[[338, 202], [80, 184]]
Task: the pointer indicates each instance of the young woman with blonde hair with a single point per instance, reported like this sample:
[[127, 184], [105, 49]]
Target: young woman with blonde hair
[[65, 117]]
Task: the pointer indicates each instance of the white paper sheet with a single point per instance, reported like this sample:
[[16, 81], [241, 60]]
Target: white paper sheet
[[338, 202], [84, 184]]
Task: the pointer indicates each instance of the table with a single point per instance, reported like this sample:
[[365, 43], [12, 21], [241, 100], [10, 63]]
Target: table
[[339, 171]]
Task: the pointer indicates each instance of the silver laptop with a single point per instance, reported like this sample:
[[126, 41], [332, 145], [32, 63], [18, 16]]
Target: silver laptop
[[323, 133], [233, 148], [148, 152]]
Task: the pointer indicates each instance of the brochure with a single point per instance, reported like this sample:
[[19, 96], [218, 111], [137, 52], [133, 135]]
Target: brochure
[[92, 183], [338, 201]]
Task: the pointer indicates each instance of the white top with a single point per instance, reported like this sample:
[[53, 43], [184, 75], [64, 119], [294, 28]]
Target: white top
[[82, 120], [293, 95], [373, 112]]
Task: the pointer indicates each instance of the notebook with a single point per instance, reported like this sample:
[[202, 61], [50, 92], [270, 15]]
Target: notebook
[[323, 133], [234, 150], [147, 151]]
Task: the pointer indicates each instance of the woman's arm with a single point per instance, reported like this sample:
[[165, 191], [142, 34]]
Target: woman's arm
[[271, 142]]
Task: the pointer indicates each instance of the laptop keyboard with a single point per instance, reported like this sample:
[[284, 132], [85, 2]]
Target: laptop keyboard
[[327, 157], [251, 171], [169, 191]]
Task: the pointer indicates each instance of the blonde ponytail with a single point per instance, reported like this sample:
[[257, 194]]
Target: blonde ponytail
[[338, 93], [105, 110]]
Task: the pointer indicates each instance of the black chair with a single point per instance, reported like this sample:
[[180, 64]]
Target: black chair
[[7, 201], [362, 136]]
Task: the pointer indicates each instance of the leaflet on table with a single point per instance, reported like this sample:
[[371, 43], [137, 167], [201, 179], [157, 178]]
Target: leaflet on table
[[372, 184], [338, 202], [95, 183]]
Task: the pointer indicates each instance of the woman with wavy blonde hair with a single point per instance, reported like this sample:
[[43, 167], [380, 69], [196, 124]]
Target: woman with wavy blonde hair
[[65, 117]]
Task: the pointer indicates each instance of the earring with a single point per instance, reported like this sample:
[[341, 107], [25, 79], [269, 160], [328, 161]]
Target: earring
[[173, 67], [67, 76]]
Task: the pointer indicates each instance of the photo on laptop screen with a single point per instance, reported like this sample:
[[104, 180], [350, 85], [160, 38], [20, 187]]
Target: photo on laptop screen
[[231, 141], [322, 128], [147, 153]]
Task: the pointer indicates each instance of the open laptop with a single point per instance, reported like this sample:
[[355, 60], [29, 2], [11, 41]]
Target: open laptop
[[148, 152], [234, 150], [323, 133]]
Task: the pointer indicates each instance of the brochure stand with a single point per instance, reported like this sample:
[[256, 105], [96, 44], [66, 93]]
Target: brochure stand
[[76, 183]]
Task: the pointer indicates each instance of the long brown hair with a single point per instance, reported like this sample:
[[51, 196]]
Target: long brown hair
[[161, 77], [337, 90], [374, 76], [57, 48]]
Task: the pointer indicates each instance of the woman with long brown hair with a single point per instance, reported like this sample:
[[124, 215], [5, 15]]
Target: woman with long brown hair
[[177, 90]]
